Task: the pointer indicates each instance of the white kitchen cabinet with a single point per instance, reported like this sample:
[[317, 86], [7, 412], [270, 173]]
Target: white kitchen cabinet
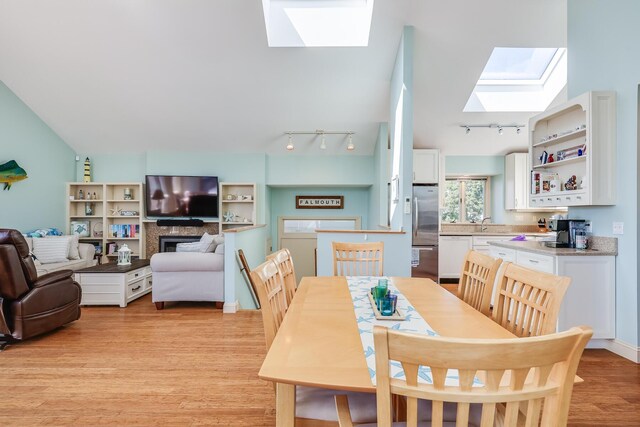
[[587, 122], [516, 191], [590, 298], [426, 166], [452, 250]]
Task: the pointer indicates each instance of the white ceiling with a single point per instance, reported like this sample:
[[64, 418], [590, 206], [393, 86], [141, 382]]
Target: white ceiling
[[198, 75]]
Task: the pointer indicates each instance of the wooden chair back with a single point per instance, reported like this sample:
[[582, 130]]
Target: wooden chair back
[[273, 304], [477, 279], [528, 302], [358, 259], [285, 264], [540, 372]]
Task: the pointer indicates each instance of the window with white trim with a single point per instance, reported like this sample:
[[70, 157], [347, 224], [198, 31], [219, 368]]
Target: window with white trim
[[466, 200]]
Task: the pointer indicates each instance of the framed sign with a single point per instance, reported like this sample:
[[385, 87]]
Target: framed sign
[[319, 202]]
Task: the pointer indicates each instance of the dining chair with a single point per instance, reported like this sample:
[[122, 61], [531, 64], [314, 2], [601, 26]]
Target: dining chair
[[271, 293], [314, 406], [284, 261], [358, 259], [527, 302], [496, 377], [477, 280]]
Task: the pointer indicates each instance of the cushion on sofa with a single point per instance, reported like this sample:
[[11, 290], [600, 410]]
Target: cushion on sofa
[[207, 243], [55, 266], [187, 261], [74, 253], [188, 247], [51, 250]]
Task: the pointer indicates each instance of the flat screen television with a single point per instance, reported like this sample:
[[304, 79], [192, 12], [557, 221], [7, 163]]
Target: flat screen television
[[182, 196]]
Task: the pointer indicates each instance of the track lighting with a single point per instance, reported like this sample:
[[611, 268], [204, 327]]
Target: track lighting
[[320, 132], [467, 128]]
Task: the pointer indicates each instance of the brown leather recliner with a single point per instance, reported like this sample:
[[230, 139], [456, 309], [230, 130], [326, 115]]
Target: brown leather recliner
[[32, 305]]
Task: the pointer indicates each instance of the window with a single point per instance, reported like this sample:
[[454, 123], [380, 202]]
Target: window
[[519, 79], [465, 200]]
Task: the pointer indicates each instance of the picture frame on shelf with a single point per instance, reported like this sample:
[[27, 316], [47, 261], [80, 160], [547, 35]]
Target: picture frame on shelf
[[81, 228]]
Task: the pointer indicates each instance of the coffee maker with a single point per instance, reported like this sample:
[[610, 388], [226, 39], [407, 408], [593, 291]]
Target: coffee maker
[[565, 232]]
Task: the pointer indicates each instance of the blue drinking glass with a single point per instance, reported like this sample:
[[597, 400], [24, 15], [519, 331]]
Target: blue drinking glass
[[386, 308]]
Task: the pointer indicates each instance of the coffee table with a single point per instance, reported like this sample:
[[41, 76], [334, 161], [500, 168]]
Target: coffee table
[[112, 284]]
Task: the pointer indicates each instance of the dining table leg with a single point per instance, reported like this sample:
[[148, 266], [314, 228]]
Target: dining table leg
[[285, 405]]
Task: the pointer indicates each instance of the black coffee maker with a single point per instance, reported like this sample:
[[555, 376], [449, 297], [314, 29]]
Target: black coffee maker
[[565, 232]]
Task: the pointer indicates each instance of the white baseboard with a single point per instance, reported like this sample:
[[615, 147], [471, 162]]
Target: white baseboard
[[618, 347], [230, 307]]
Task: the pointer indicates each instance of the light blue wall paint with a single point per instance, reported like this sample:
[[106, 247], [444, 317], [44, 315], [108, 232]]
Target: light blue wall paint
[[378, 205], [38, 201], [283, 201], [401, 131], [125, 167], [253, 244], [394, 260], [603, 38], [345, 170]]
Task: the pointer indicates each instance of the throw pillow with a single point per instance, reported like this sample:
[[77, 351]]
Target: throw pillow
[[207, 243], [188, 247], [51, 250], [74, 250]]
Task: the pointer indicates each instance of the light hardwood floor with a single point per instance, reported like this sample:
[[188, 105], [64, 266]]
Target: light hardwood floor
[[190, 365]]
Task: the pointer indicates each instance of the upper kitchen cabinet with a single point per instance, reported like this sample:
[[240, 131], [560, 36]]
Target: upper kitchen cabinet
[[425, 166], [573, 153], [516, 189]]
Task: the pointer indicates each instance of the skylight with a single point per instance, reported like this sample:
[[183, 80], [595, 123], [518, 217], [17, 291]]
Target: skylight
[[507, 63], [317, 23], [519, 80]]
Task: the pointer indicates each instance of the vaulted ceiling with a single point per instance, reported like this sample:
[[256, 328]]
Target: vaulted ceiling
[[110, 76]]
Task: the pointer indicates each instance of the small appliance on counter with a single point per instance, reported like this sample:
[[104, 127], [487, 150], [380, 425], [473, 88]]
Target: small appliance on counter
[[566, 231]]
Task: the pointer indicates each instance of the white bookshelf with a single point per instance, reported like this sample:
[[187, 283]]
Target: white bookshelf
[[106, 215], [238, 199], [589, 122]]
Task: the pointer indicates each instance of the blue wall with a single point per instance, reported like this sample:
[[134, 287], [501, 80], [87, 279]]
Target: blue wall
[[378, 204], [38, 201], [283, 200], [401, 132], [603, 39]]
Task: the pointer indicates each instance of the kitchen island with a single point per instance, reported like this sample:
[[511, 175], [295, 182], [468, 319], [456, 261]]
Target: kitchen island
[[590, 299]]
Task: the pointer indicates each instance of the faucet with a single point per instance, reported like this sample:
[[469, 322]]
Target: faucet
[[482, 226]]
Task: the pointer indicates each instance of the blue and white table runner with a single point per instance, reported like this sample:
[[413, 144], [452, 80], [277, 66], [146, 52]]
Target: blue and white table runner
[[360, 287]]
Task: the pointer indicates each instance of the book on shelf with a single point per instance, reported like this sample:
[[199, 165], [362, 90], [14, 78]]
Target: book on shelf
[[121, 231]]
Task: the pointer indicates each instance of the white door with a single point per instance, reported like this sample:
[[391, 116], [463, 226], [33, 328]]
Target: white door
[[298, 234]]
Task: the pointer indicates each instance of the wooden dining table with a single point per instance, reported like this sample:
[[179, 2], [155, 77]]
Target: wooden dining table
[[318, 343]]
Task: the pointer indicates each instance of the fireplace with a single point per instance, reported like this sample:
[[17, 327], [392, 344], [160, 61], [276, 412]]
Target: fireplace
[[169, 243]]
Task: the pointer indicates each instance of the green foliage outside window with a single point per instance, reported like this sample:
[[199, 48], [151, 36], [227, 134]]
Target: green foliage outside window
[[464, 200]]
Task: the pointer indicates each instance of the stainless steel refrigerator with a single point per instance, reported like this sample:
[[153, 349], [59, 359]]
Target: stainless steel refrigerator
[[424, 254]]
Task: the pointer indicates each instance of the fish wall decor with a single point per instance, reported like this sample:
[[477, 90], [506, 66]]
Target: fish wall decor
[[11, 172]]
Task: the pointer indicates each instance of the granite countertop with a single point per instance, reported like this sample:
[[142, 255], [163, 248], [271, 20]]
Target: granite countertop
[[599, 246], [493, 233]]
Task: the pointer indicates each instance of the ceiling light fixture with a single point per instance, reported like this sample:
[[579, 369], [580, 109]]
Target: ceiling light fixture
[[350, 146], [319, 132], [467, 128]]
